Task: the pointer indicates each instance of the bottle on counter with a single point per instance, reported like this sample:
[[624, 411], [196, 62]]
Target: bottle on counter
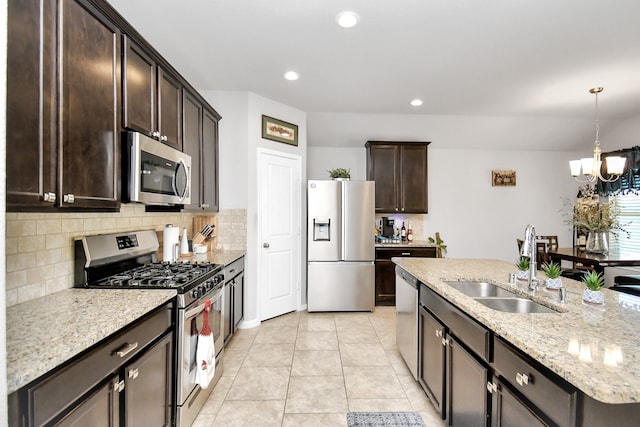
[[184, 242], [403, 232], [409, 233]]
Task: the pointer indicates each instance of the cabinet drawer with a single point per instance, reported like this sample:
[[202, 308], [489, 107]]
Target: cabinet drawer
[[384, 253], [49, 397], [555, 398], [233, 269], [474, 335]]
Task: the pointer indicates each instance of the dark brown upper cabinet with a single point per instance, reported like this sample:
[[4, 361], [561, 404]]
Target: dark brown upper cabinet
[[63, 107], [400, 172], [200, 140], [152, 98]]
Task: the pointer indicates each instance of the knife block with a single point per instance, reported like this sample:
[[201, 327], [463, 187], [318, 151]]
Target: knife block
[[199, 221]]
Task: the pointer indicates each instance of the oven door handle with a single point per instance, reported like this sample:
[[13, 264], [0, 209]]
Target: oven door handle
[[200, 307]]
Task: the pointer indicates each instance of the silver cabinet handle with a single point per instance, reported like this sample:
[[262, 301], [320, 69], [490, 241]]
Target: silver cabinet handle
[[118, 386], [396, 209], [265, 245], [126, 349], [49, 197], [68, 198], [445, 342], [133, 374], [205, 206], [492, 387], [522, 379], [164, 138], [406, 253], [155, 134]]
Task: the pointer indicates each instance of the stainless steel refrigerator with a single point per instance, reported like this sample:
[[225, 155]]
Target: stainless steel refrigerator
[[340, 245]]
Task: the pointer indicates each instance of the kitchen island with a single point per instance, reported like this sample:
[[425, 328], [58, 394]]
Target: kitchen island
[[592, 348]]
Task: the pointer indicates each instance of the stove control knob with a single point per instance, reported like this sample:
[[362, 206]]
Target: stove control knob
[[195, 293]]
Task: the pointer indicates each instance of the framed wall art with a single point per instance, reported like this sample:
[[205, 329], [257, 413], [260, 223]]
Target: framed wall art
[[503, 178], [280, 131]]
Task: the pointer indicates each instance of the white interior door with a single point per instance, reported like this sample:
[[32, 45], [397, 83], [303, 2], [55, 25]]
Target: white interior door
[[279, 218]]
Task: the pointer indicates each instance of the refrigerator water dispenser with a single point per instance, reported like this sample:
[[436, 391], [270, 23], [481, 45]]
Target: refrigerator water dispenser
[[321, 229]]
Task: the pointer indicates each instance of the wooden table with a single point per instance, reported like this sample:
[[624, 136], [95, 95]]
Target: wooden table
[[598, 261]]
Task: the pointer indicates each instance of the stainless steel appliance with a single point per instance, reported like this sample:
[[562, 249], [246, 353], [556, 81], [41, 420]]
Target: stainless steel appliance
[[127, 260], [154, 173], [340, 245], [407, 319]]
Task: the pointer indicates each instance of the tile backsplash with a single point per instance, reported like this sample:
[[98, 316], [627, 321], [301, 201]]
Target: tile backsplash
[[39, 246]]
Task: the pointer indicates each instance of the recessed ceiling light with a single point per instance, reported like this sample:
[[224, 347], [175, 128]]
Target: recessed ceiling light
[[416, 102], [347, 19], [291, 75]]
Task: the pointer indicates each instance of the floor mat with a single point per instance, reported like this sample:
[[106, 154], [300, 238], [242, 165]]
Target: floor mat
[[384, 419]]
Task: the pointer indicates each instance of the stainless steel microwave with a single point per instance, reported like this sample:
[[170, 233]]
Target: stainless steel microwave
[[154, 173]]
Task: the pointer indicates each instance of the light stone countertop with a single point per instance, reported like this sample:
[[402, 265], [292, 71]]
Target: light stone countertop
[[215, 257], [48, 331], [597, 349]]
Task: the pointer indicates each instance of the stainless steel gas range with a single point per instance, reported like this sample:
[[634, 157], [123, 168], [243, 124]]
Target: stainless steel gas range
[[127, 260]]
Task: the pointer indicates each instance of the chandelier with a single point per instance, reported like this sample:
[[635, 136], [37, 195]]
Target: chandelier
[[591, 166]]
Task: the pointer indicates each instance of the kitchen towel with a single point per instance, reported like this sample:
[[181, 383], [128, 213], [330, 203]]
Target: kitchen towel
[[206, 352]]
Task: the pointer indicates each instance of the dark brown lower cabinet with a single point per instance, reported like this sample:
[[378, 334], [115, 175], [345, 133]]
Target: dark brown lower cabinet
[[508, 409], [100, 409], [148, 386], [126, 380], [431, 371], [385, 286], [467, 395]]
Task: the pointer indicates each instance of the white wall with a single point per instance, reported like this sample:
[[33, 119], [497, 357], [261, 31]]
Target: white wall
[[240, 138], [323, 159], [3, 145]]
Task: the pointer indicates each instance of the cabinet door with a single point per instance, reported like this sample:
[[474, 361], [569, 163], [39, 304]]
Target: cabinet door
[[227, 312], [148, 386], [31, 106], [467, 400], [431, 365], [192, 145], [413, 178], [382, 167], [509, 410], [139, 89], [89, 108], [100, 409], [169, 110], [238, 300], [210, 161], [385, 282]]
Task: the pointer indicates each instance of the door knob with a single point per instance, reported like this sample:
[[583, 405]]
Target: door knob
[[265, 245]]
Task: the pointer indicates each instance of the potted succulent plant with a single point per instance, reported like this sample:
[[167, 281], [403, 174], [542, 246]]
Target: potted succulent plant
[[553, 271], [340, 174], [594, 281], [523, 268]]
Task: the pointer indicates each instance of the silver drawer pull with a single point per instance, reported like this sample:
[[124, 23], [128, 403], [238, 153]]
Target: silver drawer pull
[[492, 387], [126, 349], [406, 253], [522, 379], [133, 374]]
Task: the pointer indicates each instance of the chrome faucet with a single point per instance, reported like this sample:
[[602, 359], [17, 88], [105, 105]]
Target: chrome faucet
[[529, 249]]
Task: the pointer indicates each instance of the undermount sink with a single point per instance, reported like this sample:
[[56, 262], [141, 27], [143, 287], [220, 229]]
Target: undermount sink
[[479, 289], [515, 305]]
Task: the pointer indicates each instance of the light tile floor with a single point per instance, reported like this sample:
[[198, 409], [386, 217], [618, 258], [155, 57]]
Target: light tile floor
[[310, 369]]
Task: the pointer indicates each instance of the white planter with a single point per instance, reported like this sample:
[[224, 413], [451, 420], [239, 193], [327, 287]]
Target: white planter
[[593, 297], [522, 274], [554, 283]]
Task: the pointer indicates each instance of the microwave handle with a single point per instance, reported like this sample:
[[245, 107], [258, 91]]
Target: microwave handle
[[175, 189]]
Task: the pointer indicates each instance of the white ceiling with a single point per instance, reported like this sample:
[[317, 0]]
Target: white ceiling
[[462, 57]]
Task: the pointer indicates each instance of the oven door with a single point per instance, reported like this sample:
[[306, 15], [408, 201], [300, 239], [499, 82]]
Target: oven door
[[190, 324]]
